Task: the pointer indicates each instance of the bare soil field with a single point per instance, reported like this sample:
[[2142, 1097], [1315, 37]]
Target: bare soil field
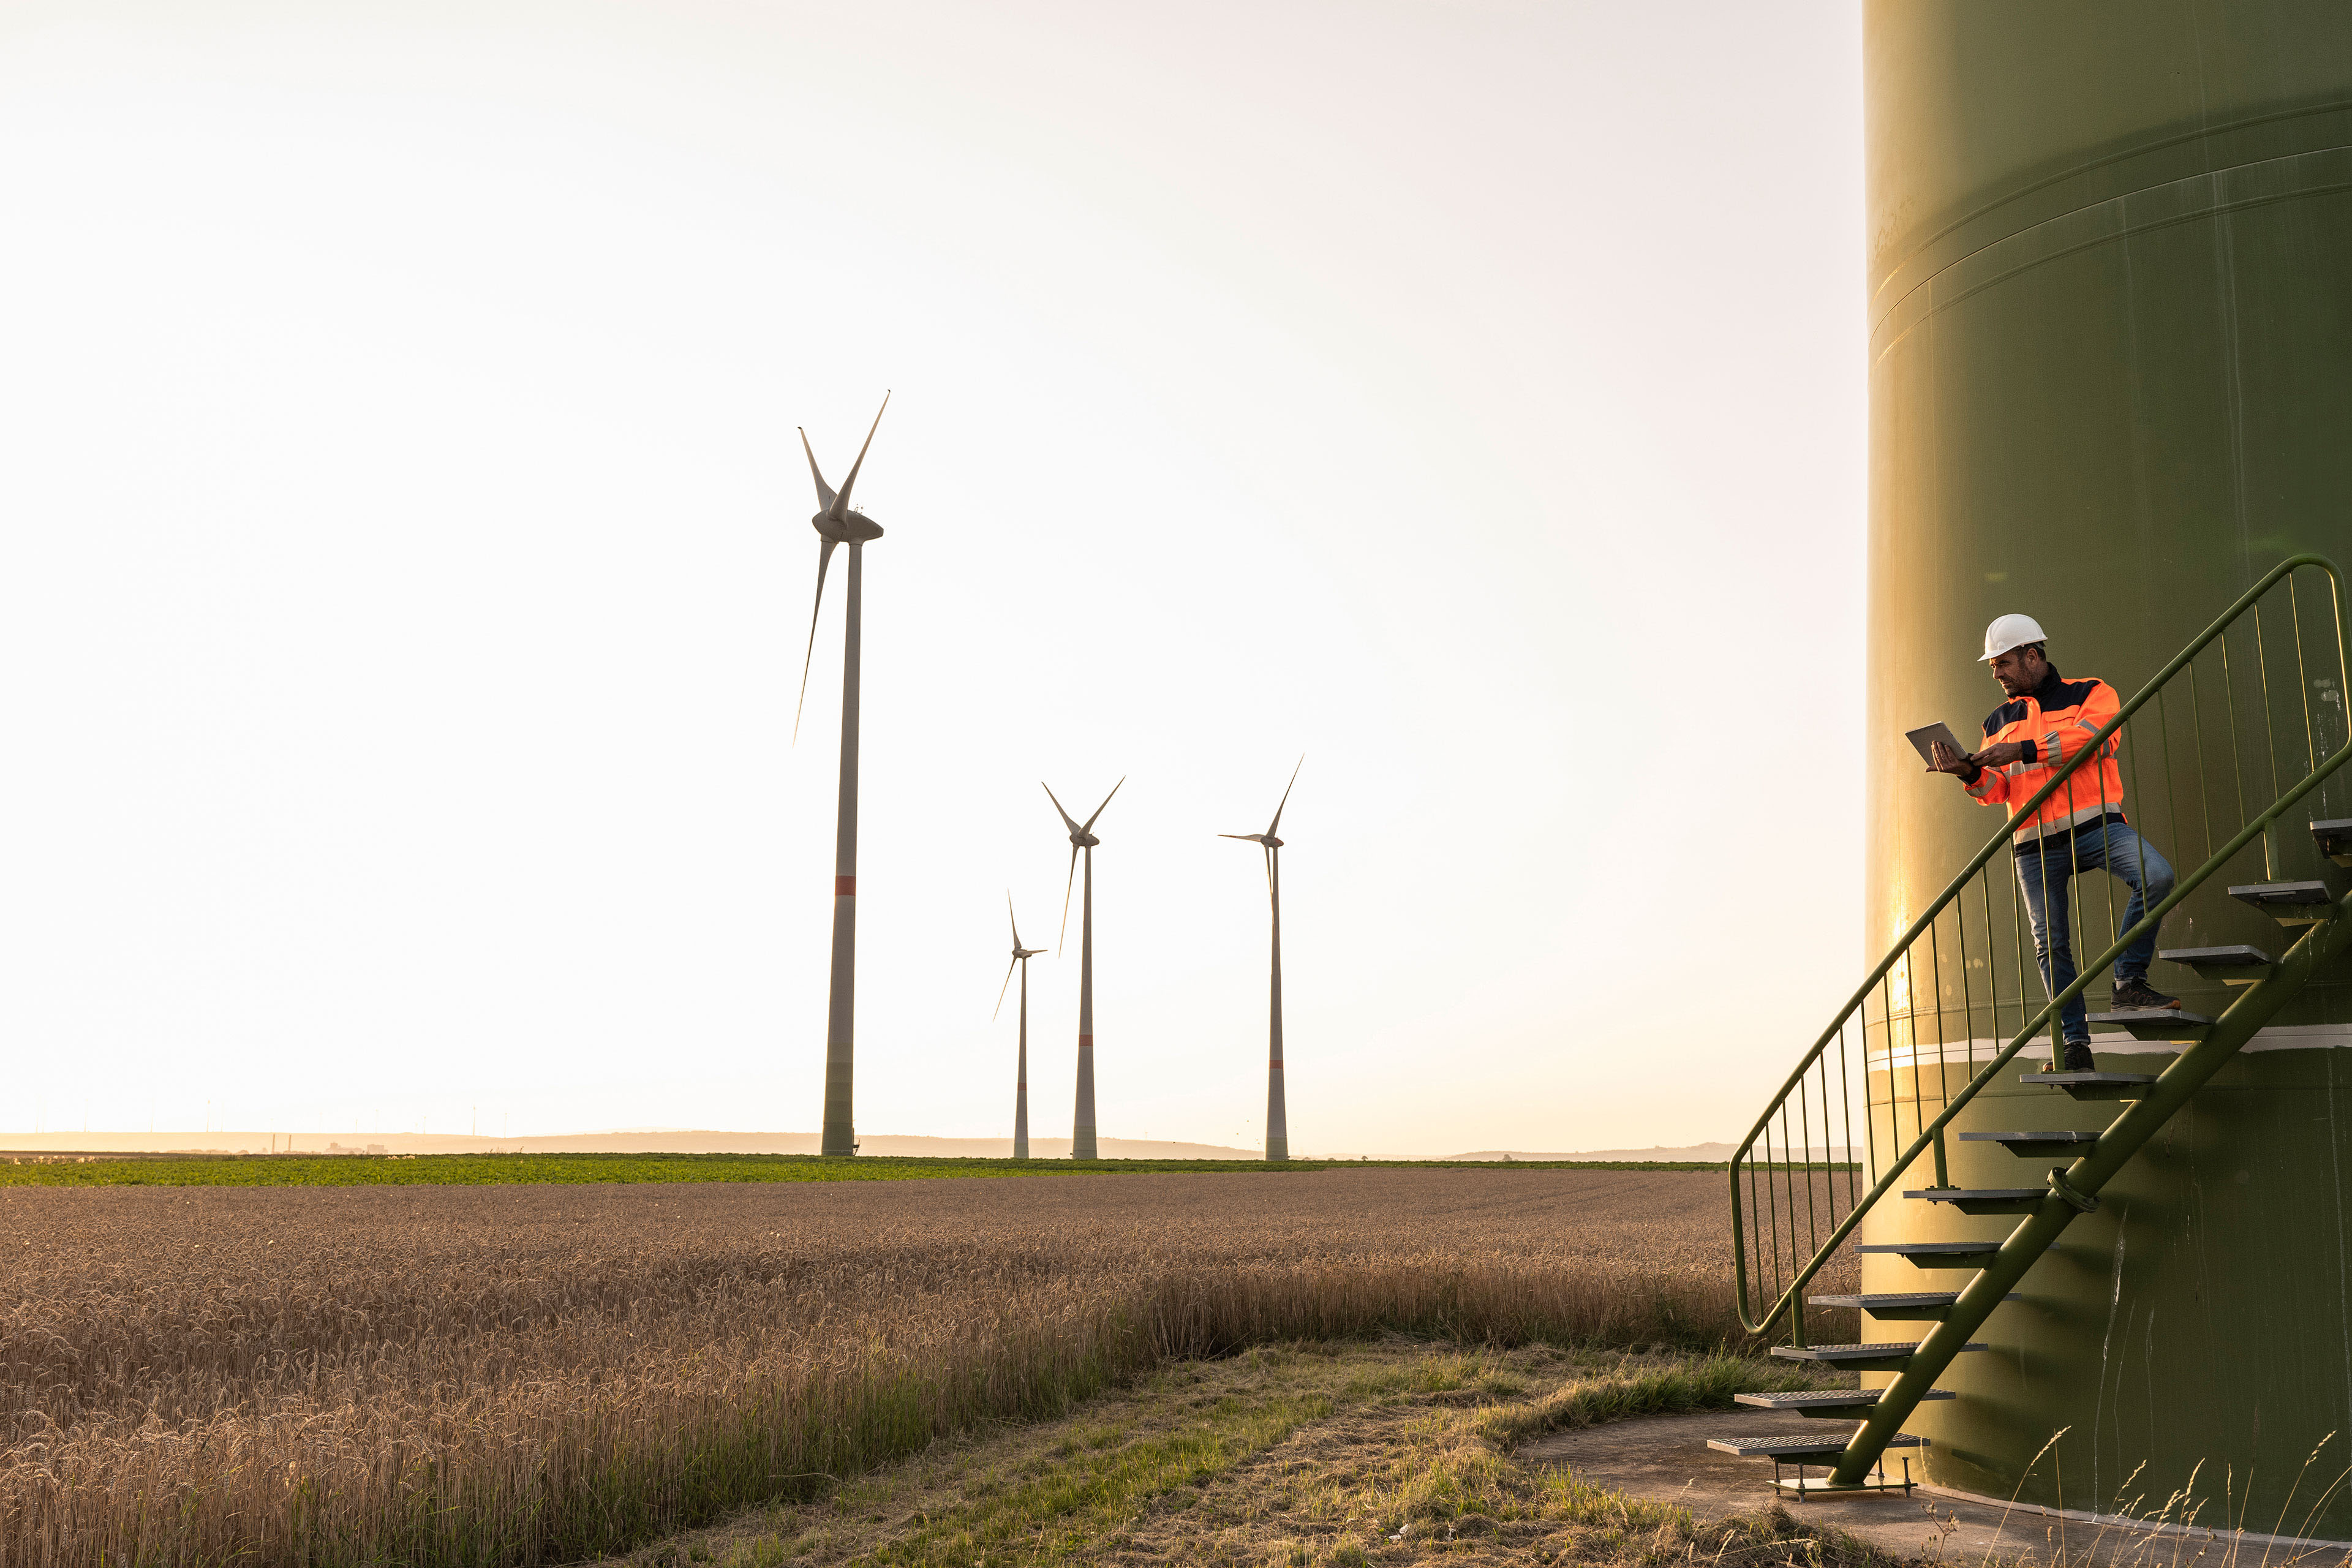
[[541, 1375]]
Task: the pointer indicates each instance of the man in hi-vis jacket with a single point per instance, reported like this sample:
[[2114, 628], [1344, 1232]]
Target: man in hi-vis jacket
[[2045, 723]]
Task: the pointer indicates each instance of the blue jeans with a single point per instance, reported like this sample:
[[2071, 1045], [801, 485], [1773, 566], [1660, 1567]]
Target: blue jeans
[[2043, 869]]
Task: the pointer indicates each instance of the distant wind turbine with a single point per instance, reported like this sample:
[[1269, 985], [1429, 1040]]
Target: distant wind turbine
[[1277, 1125], [837, 524], [1021, 957], [1082, 1126]]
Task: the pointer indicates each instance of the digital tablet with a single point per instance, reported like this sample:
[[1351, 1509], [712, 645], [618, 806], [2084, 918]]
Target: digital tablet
[[1925, 738]]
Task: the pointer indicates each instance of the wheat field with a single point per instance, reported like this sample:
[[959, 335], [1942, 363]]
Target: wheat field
[[522, 1375]]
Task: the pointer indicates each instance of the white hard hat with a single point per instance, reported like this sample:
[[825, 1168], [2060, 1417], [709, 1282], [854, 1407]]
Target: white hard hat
[[2009, 631]]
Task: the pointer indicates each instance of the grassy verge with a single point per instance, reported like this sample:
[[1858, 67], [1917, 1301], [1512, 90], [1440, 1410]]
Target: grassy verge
[[495, 1170], [1315, 1454]]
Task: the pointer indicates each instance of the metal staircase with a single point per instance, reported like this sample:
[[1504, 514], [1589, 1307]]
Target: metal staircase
[[1941, 992]]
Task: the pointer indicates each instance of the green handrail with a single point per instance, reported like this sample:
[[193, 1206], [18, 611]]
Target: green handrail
[[1930, 1135]]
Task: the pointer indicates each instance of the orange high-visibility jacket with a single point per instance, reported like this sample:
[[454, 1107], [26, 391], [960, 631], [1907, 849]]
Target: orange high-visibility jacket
[[2055, 721]]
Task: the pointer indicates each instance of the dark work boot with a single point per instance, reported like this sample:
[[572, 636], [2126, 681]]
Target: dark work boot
[[2135, 995], [2077, 1058]]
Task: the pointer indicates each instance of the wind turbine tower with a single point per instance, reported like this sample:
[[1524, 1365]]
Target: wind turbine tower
[[1021, 957], [1277, 1127], [835, 525], [1082, 838]]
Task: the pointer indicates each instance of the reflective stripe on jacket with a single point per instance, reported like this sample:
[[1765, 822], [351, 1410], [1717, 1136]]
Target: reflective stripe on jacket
[[2053, 723]]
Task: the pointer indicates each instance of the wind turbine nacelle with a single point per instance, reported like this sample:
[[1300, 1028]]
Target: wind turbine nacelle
[[1085, 841], [850, 528], [1270, 841]]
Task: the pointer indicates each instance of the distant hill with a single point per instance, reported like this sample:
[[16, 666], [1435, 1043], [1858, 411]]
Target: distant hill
[[630, 1140], [701, 1141], [1709, 1153], [1700, 1153]]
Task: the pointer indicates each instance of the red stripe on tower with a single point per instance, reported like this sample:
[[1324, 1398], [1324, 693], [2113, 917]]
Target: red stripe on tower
[[845, 887]]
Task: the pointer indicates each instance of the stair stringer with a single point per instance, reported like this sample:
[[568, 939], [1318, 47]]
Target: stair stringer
[[2124, 1138]]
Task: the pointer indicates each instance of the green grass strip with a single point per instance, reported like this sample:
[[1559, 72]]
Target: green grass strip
[[1707, 1383], [497, 1170], [1063, 1515], [1100, 1480]]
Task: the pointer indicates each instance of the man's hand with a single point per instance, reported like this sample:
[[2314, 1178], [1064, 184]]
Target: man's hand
[[1942, 758], [2001, 756]]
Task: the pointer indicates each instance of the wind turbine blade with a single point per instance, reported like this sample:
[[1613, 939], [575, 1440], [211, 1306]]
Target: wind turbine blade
[[1270, 853], [1003, 988], [850, 483], [1098, 810], [824, 560], [1277, 822], [1010, 920], [1066, 886], [1245, 837], [824, 490], [1057, 806]]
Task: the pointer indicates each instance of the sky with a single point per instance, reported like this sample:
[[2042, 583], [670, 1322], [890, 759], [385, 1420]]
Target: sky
[[405, 571]]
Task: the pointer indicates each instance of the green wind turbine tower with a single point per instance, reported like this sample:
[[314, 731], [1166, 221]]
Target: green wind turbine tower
[[1082, 1125], [1021, 957], [835, 525], [1277, 1124]]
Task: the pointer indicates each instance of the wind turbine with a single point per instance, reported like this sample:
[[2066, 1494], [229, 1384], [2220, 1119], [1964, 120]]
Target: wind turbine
[[837, 524], [1278, 1128], [1082, 1125], [1021, 957]]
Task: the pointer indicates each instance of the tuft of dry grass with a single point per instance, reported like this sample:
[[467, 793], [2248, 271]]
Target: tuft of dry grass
[[528, 1376]]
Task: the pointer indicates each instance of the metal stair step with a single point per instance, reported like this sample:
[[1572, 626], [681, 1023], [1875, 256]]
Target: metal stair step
[[2092, 1085], [1885, 1356], [2334, 837], [1828, 1404], [2035, 1145], [2156, 1023], [1983, 1200], [1800, 1448], [2237, 965], [1938, 1254], [2289, 903], [1900, 1305]]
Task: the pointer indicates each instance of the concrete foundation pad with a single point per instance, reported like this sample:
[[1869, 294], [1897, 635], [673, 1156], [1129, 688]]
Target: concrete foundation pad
[[1666, 1458]]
